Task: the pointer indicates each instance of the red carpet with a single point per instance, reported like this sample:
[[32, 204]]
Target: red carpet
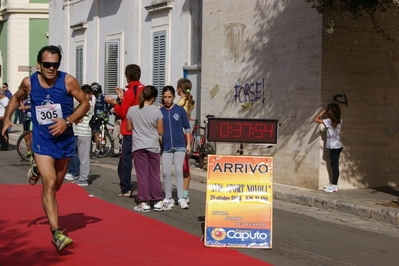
[[103, 234]]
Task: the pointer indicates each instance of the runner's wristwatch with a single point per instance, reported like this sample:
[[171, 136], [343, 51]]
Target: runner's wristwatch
[[67, 122]]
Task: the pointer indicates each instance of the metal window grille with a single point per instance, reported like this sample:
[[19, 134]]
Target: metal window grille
[[79, 64], [111, 73], [159, 62]]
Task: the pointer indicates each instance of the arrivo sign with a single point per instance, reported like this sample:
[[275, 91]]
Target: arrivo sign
[[242, 130]]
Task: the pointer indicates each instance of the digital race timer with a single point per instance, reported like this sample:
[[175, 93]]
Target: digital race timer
[[242, 130]]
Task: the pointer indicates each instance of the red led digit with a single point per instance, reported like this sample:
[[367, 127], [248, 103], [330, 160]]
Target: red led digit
[[224, 130], [247, 130], [237, 130], [270, 130], [259, 130]]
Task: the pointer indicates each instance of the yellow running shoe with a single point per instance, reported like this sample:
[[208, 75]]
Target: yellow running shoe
[[60, 240]]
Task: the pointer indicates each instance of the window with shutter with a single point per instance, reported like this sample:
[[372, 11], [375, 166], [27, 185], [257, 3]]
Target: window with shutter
[[111, 66], [79, 64], [159, 62]]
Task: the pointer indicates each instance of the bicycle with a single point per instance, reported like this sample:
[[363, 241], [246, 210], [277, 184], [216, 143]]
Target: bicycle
[[200, 146], [24, 145], [102, 141]]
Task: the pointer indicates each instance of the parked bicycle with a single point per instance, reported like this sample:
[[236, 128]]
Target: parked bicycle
[[24, 145], [200, 146], [102, 141]]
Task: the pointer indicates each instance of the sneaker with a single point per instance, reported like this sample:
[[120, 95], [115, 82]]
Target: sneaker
[[158, 206], [168, 204], [126, 194], [142, 207], [33, 175], [182, 203], [326, 186], [81, 183], [60, 240], [187, 199], [331, 188], [70, 177]]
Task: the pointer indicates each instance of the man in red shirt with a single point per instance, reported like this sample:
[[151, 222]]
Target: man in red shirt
[[128, 98]]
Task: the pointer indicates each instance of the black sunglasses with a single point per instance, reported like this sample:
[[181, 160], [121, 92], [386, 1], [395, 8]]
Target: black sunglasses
[[51, 64]]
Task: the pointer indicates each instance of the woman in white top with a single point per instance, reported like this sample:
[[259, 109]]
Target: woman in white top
[[331, 118]]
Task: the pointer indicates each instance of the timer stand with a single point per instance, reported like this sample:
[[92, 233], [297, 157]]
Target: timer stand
[[241, 151]]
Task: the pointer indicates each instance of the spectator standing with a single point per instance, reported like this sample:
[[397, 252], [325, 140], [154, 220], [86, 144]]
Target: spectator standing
[[3, 104], [6, 90], [18, 115], [52, 93], [74, 163], [9, 95], [83, 138], [174, 147], [147, 125], [331, 118], [27, 125], [186, 101], [116, 134], [130, 98]]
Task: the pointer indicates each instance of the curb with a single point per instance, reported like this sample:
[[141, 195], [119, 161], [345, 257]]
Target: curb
[[360, 211]]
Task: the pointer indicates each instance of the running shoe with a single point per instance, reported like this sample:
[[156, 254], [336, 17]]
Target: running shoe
[[182, 203], [331, 189], [33, 173], [60, 240], [187, 199], [125, 194], [168, 204], [81, 183], [142, 207], [158, 206], [70, 177]]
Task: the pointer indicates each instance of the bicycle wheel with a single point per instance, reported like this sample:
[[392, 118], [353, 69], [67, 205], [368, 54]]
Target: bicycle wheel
[[102, 149], [24, 145]]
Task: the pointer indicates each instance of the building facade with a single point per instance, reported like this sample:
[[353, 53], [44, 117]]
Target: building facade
[[253, 59], [99, 38], [23, 31]]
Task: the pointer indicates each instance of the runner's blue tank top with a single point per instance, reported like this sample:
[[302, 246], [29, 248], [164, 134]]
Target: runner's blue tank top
[[44, 104]]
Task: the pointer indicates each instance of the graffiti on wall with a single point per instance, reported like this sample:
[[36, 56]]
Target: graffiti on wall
[[341, 98], [250, 92]]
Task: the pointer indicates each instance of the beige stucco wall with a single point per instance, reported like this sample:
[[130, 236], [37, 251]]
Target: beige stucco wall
[[278, 44], [360, 64], [282, 45]]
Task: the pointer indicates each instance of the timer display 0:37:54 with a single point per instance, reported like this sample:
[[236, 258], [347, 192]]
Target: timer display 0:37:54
[[242, 130]]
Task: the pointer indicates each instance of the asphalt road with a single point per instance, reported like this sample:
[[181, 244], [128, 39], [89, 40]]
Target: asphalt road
[[301, 235]]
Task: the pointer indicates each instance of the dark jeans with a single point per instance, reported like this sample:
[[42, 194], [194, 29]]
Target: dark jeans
[[3, 141], [125, 164], [18, 116], [74, 162], [334, 156]]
